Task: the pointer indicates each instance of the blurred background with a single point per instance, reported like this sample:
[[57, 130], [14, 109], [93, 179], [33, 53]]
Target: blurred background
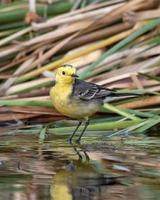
[[114, 43]]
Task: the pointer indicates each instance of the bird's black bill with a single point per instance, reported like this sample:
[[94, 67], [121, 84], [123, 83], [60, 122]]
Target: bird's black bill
[[74, 75]]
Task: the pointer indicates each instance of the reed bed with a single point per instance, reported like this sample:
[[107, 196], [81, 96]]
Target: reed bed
[[113, 43]]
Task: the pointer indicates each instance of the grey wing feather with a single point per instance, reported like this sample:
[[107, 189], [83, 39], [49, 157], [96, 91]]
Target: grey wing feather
[[89, 91]]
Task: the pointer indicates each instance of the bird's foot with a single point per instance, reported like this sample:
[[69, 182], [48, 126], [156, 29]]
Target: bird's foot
[[78, 141], [69, 140]]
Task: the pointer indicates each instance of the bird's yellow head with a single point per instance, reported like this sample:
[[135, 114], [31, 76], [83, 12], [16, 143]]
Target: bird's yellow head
[[66, 74]]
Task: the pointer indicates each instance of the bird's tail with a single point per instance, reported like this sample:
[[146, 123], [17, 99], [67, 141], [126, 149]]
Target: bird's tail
[[115, 96]]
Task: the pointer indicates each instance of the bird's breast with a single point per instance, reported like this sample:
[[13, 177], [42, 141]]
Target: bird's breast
[[60, 96], [71, 106]]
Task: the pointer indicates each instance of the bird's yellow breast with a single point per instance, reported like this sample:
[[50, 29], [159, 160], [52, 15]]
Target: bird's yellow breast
[[70, 106], [60, 97]]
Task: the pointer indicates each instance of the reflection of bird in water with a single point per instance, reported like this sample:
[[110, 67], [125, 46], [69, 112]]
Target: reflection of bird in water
[[79, 180]]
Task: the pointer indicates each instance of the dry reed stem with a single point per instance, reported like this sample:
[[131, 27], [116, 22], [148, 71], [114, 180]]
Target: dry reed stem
[[133, 17], [23, 86], [115, 15], [30, 109], [142, 103], [72, 19], [76, 12], [14, 36], [16, 116], [53, 35], [82, 52], [86, 59], [125, 72], [51, 52], [97, 35], [18, 71]]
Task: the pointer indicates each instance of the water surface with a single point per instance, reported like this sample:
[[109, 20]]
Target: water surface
[[98, 169]]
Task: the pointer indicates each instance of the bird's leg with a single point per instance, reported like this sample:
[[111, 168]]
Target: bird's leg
[[85, 126], [70, 139]]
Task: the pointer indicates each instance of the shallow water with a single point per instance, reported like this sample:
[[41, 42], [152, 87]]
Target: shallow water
[[98, 169]]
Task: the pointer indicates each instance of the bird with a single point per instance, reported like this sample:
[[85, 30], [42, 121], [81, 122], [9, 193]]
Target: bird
[[79, 99]]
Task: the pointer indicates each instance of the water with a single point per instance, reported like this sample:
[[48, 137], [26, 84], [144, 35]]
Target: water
[[99, 169]]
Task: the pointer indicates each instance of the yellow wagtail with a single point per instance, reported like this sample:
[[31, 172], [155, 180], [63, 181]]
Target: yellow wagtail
[[78, 99]]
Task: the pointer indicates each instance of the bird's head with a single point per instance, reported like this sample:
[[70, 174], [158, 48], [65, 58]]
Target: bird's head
[[66, 74]]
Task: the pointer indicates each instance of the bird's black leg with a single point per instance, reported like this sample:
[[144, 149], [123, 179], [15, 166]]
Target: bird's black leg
[[85, 126], [70, 139]]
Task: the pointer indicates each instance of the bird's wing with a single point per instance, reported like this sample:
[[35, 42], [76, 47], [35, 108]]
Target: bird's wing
[[88, 91]]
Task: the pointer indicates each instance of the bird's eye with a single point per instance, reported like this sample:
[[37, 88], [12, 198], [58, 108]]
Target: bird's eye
[[63, 73]]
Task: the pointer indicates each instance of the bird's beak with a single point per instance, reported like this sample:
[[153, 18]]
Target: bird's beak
[[74, 75]]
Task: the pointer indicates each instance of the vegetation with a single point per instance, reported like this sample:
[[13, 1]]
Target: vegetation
[[106, 41]]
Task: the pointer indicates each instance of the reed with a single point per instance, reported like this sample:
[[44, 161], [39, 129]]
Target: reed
[[108, 46]]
